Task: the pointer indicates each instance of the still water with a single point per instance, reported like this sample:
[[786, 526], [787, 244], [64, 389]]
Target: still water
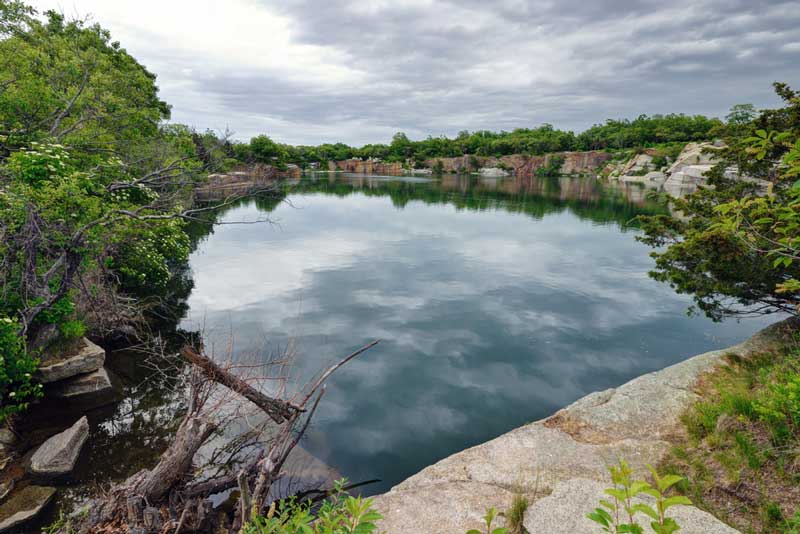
[[497, 302]]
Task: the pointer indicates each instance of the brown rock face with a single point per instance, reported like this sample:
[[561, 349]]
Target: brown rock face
[[525, 166], [359, 166]]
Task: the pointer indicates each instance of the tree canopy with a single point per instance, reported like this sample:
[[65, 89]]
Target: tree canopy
[[92, 189]]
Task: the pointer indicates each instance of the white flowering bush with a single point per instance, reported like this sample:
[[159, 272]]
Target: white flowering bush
[[39, 163]]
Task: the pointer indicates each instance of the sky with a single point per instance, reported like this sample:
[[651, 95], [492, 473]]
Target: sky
[[357, 71]]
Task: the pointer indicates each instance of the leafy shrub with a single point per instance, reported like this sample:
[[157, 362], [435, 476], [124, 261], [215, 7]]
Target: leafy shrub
[[778, 405], [612, 514], [144, 256], [71, 330], [17, 387], [339, 514], [40, 163]]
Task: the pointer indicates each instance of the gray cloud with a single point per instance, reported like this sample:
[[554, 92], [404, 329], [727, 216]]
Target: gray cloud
[[357, 71]]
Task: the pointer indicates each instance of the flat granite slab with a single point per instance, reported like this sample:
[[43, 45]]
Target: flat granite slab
[[57, 456], [565, 509], [89, 385], [23, 506], [565, 456], [88, 359]]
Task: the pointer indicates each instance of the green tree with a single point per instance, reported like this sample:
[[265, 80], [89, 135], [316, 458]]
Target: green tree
[[735, 247], [93, 186], [265, 150], [741, 114]]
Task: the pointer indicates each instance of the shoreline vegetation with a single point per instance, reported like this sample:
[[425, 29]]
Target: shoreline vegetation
[[102, 200]]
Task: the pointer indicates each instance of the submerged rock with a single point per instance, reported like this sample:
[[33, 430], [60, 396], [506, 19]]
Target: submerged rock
[[89, 358], [57, 456], [23, 506]]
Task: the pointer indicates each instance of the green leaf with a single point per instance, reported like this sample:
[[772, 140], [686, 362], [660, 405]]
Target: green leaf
[[668, 527], [617, 493], [638, 487], [473, 531], [607, 504], [600, 516], [645, 509], [668, 481], [676, 500], [500, 530]]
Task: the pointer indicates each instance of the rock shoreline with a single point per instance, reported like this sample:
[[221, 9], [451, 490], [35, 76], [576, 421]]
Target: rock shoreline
[[560, 462]]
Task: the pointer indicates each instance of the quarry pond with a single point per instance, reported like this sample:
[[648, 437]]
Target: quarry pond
[[498, 301]]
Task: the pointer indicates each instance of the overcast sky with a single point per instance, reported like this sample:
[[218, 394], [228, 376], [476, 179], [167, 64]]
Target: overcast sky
[[312, 71]]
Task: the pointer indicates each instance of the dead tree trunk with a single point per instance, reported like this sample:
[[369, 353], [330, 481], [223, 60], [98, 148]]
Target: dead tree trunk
[[134, 504]]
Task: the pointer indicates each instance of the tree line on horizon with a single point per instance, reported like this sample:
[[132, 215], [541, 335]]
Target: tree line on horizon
[[615, 134]]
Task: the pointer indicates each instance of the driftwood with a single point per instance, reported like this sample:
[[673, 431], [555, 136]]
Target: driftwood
[[170, 490], [278, 410]]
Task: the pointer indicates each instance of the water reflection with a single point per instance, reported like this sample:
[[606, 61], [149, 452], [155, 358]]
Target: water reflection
[[498, 301]]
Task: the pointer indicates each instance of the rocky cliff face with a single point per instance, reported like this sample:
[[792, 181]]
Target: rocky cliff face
[[359, 166], [223, 185], [682, 177], [560, 463], [524, 166]]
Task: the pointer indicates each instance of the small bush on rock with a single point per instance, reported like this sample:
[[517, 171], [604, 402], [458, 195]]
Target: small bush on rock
[[339, 514], [618, 516]]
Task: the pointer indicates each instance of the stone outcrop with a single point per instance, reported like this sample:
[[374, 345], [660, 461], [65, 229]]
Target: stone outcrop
[[565, 456], [245, 181], [638, 164], [685, 174], [524, 166], [23, 506], [95, 385], [89, 358], [57, 456], [556, 513], [696, 154], [368, 166]]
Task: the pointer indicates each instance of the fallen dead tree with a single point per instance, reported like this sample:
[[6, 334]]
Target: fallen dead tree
[[173, 496]]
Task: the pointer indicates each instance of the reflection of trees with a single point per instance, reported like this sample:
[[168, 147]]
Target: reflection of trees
[[127, 436], [145, 419], [587, 198]]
